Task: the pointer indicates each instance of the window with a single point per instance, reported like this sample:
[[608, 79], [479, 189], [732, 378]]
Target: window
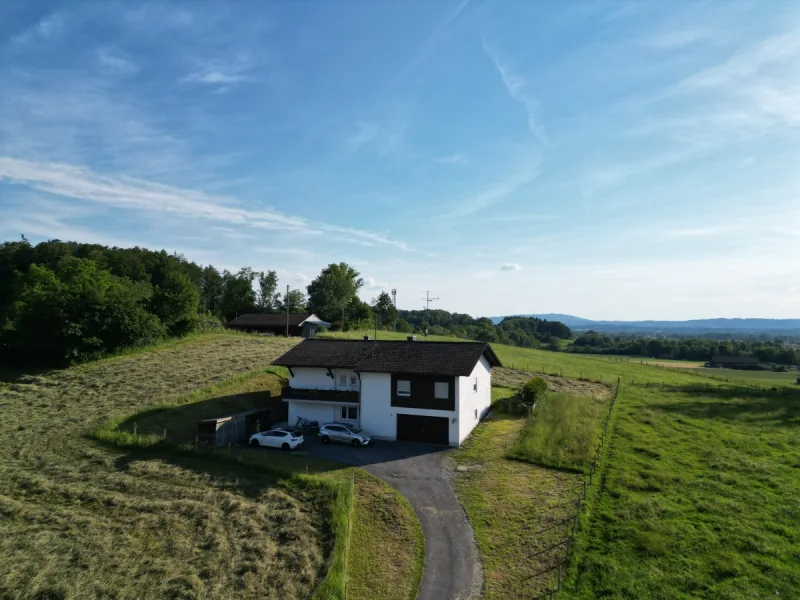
[[343, 379], [441, 390], [403, 387], [476, 413], [475, 385], [353, 380], [350, 413]]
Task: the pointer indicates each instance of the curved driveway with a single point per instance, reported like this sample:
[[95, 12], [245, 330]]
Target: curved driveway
[[420, 473]]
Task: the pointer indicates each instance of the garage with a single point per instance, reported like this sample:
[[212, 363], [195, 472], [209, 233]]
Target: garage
[[430, 430]]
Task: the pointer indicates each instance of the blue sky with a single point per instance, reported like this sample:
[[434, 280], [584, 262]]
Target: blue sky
[[609, 160]]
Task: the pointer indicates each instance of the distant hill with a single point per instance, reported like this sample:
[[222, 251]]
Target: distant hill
[[692, 326]]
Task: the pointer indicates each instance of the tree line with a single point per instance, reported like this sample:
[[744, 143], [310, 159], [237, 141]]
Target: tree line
[[767, 351], [68, 301], [526, 332]]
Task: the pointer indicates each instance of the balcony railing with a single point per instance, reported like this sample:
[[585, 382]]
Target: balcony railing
[[290, 393]]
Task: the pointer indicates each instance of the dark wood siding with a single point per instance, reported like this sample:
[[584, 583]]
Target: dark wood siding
[[422, 392], [430, 430]]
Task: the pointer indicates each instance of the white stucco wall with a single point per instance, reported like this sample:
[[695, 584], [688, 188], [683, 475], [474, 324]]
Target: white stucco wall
[[470, 401], [315, 411], [379, 417]]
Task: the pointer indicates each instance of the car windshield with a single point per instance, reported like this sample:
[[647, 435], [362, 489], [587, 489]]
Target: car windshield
[[354, 428]]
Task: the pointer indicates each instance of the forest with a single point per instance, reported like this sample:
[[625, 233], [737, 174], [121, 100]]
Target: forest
[[63, 302], [701, 349]]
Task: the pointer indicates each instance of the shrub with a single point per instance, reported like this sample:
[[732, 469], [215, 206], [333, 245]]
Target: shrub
[[533, 390]]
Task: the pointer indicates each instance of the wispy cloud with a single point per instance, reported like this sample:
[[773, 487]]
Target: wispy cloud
[[747, 62], [153, 198], [510, 267], [451, 159], [524, 172], [679, 38], [49, 27], [224, 74], [518, 87], [115, 63], [276, 250], [365, 132]]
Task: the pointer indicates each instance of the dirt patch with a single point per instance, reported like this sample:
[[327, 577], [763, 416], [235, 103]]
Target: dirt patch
[[514, 378]]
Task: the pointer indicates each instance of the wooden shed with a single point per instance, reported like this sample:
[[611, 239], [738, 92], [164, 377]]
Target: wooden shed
[[230, 429]]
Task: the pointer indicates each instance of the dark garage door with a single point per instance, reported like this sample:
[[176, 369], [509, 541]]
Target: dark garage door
[[431, 430]]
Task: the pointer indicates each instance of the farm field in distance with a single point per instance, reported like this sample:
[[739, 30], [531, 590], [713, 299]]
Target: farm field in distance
[[735, 376]]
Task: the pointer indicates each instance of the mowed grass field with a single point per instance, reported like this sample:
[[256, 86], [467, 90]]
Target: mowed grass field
[[734, 376], [82, 519], [698, 494]]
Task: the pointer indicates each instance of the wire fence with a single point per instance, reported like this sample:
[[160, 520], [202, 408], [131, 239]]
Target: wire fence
[[562, 549]]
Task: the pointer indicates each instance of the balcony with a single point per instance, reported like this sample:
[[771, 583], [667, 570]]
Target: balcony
[[290, 393]]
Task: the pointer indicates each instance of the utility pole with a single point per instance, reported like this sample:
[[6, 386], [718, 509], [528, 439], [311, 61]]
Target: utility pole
[[287, 310], [394, 301], [428, 301]]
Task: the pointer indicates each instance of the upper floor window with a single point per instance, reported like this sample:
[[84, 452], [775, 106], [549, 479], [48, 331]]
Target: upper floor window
[[342, 378], [475, 384], [403, 387], [441, 390], [353, 380]]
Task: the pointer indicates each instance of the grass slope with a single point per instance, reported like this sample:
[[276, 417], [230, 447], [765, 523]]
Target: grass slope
[[387, 552], [88, 521], [386, 561], [698, 495], [513, 508], [701, 499]]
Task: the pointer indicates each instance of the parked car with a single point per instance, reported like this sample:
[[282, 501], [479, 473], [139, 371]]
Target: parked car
[[277, 438], [344, 432], [292, 430]]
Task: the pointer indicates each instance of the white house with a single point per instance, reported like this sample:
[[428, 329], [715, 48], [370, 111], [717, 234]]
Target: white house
[[433, 392]]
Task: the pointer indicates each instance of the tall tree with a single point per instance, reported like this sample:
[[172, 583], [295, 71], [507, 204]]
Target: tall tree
[[295, 301], [78, 312], [384, 309], [238, 296], [268, 297], [175, 302], [211, 289], [333, 289]]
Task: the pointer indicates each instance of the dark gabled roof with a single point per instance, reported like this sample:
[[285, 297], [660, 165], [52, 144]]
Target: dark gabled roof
[[420, 358], [276, 320], [341, 354]]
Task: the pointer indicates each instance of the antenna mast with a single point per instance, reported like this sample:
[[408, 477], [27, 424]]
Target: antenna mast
[[287, 310], [428, 301], [394, 301]]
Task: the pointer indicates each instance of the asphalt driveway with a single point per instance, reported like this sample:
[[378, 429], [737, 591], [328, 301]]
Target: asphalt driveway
[[421, 474]]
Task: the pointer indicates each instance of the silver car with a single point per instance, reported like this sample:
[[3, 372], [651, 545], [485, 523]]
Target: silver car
[[344, 432]]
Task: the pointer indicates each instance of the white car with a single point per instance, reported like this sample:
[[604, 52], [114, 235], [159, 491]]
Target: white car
[[277, 438], [344, 432]]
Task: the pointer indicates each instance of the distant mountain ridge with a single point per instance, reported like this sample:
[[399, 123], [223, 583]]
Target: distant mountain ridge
[[699, 325]]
